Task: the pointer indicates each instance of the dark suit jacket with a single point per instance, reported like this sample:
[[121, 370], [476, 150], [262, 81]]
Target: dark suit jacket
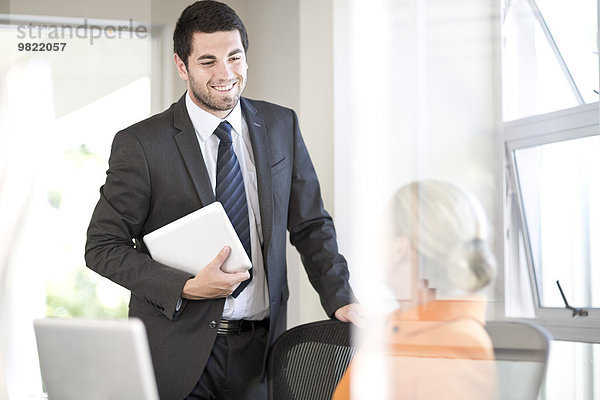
[[156, 175]]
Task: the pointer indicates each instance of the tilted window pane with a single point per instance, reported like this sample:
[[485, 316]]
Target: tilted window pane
[[574, 27], [534, 81], [560, 193]]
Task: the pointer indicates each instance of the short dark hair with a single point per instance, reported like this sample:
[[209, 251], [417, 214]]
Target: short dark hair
[[207, 16]]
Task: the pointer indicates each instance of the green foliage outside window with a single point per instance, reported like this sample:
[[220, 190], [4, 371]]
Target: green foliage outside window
[[81, 296]]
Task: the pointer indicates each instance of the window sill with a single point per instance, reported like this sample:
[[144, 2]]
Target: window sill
[[568, 328]]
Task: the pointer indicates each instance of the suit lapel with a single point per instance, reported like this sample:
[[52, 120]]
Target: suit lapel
[[260, 148], [187, 142]]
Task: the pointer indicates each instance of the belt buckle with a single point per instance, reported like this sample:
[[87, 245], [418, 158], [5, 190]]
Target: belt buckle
[[229, 327]]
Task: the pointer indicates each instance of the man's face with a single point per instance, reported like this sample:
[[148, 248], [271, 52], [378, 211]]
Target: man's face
[[216, 71]]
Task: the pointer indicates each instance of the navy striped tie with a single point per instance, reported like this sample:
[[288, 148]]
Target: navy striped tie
[[231, 193]]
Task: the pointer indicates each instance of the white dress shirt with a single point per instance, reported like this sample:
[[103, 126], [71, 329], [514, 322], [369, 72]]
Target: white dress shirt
[[253, 302]]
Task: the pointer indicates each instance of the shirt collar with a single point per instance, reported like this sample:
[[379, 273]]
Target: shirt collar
[[205, 123]]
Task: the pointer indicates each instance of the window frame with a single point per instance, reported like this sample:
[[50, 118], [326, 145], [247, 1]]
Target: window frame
[[573, 123]]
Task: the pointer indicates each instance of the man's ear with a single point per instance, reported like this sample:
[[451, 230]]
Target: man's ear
[[181, 68]]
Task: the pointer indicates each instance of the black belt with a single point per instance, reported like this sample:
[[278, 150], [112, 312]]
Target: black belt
[[235, 327]]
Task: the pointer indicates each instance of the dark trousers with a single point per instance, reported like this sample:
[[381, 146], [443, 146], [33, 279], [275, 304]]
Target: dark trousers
[[234, 370]]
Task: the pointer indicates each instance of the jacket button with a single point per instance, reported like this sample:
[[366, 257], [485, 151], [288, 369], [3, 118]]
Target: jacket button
[[212, 324]]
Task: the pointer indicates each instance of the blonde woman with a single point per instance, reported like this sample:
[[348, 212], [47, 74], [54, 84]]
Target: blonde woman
[[435, 345]]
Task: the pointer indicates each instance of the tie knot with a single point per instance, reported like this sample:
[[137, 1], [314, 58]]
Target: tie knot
[[223, 132]]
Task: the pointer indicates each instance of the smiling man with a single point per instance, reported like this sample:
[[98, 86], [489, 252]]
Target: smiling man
[[215, 71], [209, 334]]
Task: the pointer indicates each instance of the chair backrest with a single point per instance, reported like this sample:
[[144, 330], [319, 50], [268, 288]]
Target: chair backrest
[[307, 361], [521, 351]]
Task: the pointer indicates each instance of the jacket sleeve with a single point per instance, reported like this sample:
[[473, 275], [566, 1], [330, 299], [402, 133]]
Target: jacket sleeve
[[117, 223], [312, 232]]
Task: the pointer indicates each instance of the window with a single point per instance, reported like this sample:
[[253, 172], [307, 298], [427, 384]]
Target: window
[[550, 79], [60, 111], [560, 194], [552, 142], [579, 382], [555, 173], [550, 56]]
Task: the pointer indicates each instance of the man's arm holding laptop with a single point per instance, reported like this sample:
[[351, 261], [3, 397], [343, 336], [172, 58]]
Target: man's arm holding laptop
[[119, 219]]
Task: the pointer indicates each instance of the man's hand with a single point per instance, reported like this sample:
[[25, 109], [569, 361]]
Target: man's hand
[[211, 282], [351, 313]]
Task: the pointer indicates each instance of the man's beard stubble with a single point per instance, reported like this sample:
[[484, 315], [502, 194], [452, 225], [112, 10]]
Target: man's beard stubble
[[210, 102]]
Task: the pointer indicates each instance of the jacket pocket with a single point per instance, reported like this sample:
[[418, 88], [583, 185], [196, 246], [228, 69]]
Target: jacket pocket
[[278, 166]]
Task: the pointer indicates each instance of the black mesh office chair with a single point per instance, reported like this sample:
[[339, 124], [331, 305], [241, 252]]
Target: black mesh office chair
[[307, 361], [521, 350]]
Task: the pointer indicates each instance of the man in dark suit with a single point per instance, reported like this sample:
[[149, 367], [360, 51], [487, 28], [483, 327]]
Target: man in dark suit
[[209, 333]]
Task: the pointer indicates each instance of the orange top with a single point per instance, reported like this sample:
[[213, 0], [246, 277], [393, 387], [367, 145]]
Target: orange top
[[439, 350]]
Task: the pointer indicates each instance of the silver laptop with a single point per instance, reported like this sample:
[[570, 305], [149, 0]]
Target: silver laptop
[[95, 359]]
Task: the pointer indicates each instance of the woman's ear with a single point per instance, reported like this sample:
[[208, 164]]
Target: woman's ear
[[401, 248], [398, 268]]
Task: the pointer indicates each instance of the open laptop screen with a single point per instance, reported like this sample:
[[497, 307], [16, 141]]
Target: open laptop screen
[[95, 359]]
